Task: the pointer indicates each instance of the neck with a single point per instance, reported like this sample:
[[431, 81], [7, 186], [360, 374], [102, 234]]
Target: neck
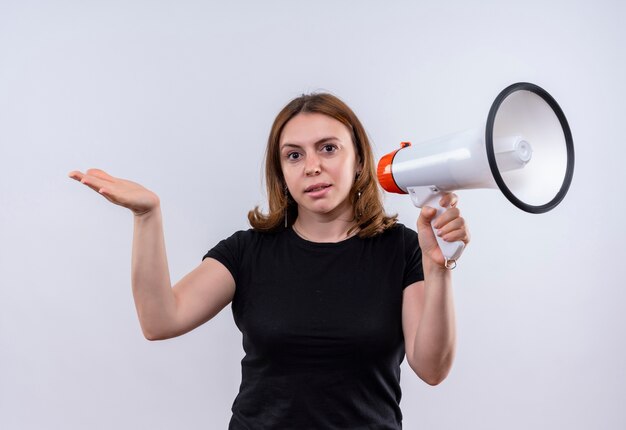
[[324, 228]]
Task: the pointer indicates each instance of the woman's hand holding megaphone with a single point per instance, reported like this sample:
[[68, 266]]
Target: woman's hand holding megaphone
[[449, 226], [122, 192]]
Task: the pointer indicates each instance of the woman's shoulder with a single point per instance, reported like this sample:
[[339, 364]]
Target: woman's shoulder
[[398, 230], [397, 235], [251, 235], [241, 243]]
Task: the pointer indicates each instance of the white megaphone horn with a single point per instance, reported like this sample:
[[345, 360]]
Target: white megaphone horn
[[525, 150]]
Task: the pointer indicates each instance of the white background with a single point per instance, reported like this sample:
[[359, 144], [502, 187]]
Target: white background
[[180, 96]]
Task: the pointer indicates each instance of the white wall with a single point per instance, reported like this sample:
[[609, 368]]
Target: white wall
[[180, 97]]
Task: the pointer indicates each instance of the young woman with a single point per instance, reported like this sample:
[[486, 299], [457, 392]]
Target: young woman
[[328, 292]]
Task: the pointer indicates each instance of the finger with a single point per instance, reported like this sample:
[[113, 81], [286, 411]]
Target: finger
[[448, 200], [454, 230], [101, 174], [454, 199], [424, 223], [461, 235], [76, 175], [446, 217], [93, 182], [427, 214], [108, 194], [454, 225]]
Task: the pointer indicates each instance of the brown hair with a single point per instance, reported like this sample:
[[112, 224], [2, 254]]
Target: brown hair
[[368, 208]]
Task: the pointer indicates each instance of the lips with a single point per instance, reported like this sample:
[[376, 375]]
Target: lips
[[316, 187]]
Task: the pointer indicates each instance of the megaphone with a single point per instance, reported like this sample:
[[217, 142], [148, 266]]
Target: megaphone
[[525, 150]]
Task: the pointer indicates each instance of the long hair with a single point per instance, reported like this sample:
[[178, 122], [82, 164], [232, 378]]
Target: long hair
[[368, 208]]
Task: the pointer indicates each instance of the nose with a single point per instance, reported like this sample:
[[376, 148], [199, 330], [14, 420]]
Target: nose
[[312, 171], [312, 166]]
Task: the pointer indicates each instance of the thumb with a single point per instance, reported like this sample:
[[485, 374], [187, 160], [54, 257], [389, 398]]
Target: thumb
[[427, 214]]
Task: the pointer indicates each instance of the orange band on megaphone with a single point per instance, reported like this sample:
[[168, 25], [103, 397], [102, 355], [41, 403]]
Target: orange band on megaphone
[[385, 174]]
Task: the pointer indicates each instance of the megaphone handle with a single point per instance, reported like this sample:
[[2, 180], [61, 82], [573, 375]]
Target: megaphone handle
[[430, 196]]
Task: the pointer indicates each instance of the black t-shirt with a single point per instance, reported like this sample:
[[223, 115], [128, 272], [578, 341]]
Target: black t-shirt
[[322, 328]]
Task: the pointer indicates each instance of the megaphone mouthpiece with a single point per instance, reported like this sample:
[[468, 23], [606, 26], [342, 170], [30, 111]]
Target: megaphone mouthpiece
[[385, 175]]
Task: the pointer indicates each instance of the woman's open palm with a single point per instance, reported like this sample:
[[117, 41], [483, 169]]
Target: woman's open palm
[[122, 192]]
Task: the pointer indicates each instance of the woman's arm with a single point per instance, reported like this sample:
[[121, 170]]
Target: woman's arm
[[428, 317], [428, 322], [163, 311]]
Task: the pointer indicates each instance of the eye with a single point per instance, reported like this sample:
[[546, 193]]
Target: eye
[[293, 156], [329, 148]]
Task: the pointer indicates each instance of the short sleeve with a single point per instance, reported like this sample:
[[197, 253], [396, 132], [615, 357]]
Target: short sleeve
[[229, 252], [413, 271]]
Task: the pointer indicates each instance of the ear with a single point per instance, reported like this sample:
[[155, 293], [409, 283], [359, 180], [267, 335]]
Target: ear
[[357, 174], [359, 164]]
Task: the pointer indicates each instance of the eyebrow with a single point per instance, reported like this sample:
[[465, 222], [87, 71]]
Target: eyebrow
[[320, 141]]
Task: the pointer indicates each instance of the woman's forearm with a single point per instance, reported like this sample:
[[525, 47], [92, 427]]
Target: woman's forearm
[[435, 339], [152, 292]]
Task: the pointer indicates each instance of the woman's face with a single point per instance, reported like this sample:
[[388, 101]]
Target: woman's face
[[319, 163]]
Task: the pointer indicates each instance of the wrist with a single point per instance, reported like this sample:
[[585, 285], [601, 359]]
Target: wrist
[[146, 214], [431, 268]]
